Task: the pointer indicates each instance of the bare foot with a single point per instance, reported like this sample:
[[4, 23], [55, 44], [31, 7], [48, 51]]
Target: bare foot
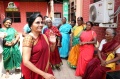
[[58, 68], [7, 74]]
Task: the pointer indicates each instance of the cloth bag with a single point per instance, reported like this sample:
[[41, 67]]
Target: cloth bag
[[110, 57]]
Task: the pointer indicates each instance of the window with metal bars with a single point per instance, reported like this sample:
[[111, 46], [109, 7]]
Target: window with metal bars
[[15, 16], [57, 15], [28, 15]]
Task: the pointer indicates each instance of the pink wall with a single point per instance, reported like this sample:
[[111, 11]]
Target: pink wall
[[2, 14], [86, 10], [100, 31], [117, 4], [58, 8], [29, 7]]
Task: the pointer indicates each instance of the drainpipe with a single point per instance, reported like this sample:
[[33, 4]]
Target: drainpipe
[[52, 9], [79, 8]]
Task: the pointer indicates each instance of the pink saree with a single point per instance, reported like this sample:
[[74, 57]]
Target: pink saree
[[86, 52], [40, 58]]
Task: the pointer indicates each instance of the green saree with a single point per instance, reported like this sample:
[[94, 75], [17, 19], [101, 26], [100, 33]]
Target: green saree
[[11, 54]]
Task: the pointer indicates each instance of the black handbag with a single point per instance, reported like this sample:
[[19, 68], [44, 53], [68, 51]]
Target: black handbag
[[113, 75]]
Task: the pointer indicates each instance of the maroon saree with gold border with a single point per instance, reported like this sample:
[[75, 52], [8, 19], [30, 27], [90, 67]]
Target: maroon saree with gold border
[[40, 58], [94, 70]]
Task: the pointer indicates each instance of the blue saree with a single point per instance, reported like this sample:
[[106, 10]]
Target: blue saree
[[64, 49]]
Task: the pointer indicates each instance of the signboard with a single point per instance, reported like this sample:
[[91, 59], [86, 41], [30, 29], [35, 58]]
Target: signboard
[[12, 6], [65, 9], [56, 21]]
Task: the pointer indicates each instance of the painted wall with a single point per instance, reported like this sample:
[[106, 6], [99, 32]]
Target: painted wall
[[2, 14], [58, 8], [100, 31], [29, 7]]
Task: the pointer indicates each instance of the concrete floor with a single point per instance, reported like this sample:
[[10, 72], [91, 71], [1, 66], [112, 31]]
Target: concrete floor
[[65, 73]]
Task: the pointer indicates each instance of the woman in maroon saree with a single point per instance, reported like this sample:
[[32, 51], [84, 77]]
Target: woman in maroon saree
[[36, 52], [55, 59], [96, 68]]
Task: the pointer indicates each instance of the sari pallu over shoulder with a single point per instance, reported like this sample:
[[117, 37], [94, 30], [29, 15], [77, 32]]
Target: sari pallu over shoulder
[[94, 68], [110, 46], [108, 52], [55, 59], [65, 44], [76, 36], [74, 52], [86, 52], [40, 58], [54, 30], [11, 54]]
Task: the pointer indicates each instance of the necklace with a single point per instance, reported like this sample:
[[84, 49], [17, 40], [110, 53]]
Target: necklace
[[35, 38], [33, 35]]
